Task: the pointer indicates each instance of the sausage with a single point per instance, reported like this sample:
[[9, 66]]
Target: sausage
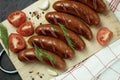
[[52, 44], [28, 55], [70, 22], [78, 9], [98, 5], [56, 31]]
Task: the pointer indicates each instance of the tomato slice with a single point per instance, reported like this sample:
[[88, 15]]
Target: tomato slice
[[16, 42], [104, 35], [26, 29], [16, 18]]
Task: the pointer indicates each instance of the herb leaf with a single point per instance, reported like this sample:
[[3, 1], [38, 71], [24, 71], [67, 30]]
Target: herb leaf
[[67, 37], [54, 28], [40, 53], [4, 36]]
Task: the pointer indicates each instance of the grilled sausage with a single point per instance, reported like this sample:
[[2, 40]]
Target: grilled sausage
[[28, 55], [70, 22], [52, 44], [97, 5], [56, 31], [78, 9]]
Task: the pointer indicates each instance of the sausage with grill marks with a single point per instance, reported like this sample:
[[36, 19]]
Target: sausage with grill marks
[[70, 22], [78, 9], [56, 31], [52, 44], [28, 55], [98, 5]]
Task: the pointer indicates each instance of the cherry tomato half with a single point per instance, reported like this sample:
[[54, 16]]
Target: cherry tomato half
[[16, 42], [16, 18], [26, 29], [104, 35]]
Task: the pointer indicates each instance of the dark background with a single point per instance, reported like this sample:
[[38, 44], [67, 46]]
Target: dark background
[[7, 6]]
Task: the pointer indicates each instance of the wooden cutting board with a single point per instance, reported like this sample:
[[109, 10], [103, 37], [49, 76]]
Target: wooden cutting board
[[35, 70]]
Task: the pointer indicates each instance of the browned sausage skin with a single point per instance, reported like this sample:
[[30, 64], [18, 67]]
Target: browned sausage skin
[[70, 22], [52, 44], [97, 5], [56, 31], [78, 9], [28, 55]]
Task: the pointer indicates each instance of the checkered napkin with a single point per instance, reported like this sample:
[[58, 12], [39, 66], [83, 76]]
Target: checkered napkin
[[115, 7], [98, 66]]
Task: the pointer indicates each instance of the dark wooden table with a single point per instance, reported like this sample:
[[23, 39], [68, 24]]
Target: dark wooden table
[[7, 6]]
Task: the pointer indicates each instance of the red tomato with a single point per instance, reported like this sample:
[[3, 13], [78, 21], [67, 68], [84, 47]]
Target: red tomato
[[16, 42], [16, 18], [104, 35], [26, 29]]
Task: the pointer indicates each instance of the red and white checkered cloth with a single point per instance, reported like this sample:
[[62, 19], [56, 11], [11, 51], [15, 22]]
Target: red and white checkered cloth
[[112, 73], [115, 7], [98, 67]]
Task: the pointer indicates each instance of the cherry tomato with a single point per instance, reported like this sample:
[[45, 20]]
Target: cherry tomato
[[26, 29], [16, 42], [16, 18], [104, 35]]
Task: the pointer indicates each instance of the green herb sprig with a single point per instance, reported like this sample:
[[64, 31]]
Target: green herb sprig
[[40, 53], [54, 28], [67, 37], [4, 36]]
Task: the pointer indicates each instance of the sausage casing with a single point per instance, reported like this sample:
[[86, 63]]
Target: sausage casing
[[78, 9], [56, 31], [97, 5], [28, 55], [70, 22], [52, 44]]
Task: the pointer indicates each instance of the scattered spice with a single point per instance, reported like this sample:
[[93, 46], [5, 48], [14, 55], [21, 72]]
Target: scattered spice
[[35, 12], [37, 73], [41, 76], [40, 23], [43, 12], [32, 78], [30, 71], [37, 16], [29, 18], [30, 12]]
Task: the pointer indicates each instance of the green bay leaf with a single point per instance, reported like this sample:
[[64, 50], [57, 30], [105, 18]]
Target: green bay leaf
[[4, 36]]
